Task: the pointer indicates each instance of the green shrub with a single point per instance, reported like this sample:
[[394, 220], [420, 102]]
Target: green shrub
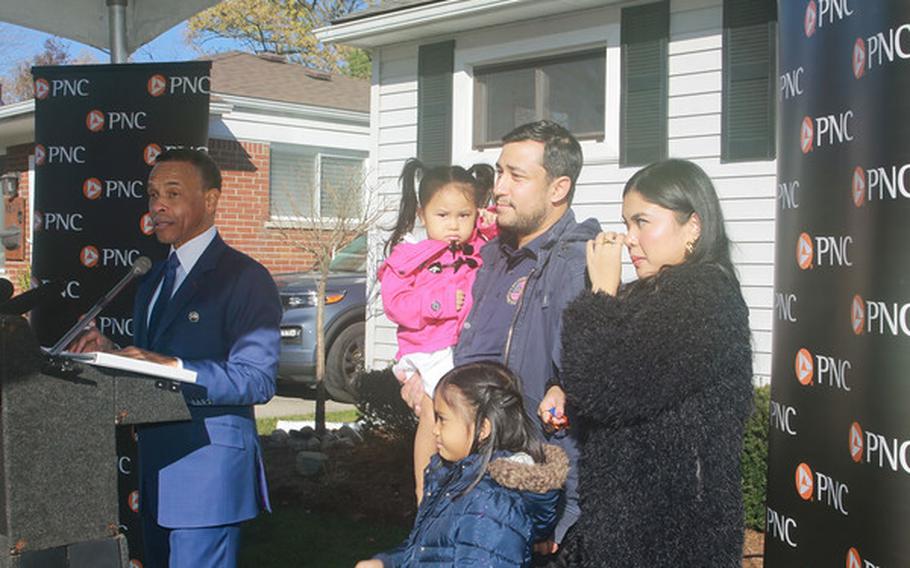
[[755, 460], [382, 411]]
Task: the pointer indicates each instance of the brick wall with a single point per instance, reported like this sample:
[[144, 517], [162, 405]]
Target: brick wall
[[17, 161], [243, 211]]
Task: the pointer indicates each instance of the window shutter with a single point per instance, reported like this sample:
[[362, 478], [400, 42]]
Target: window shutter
[[435, 63], [645, 32], [749, 80]]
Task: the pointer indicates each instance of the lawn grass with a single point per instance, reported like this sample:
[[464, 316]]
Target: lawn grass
[[265, 426], [293, 537]]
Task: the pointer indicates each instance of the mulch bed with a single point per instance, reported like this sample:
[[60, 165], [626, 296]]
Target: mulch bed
[[371, 481], [374, 481]]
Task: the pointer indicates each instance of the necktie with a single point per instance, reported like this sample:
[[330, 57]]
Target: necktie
[[164, 296]]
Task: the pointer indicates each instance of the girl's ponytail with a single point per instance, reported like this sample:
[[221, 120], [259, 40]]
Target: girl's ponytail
[[484, 177], [407, 210]]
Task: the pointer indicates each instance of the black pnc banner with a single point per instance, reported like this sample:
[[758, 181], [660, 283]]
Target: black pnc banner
[[839, 447], [98, 130]]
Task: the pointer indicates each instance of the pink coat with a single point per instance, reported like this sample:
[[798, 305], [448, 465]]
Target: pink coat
[[418, 283]]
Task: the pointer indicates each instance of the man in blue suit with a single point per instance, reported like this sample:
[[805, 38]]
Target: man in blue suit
[[216, 311]]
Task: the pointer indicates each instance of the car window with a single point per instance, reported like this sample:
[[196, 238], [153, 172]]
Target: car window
[[352, 257]]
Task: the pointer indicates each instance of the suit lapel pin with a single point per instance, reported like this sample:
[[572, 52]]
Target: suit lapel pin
[[193, 316]]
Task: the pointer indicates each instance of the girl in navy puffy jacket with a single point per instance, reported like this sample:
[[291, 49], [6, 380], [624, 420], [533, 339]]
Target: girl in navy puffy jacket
[[491, 490]]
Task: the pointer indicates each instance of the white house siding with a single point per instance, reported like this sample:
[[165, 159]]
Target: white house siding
[[746, 189]]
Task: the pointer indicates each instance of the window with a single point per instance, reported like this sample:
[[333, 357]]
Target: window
[[567, 89], [643, 128], [313, 182], [749, 76]]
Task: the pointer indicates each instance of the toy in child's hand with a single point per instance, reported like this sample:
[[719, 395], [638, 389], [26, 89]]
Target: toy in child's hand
[[556, 424]]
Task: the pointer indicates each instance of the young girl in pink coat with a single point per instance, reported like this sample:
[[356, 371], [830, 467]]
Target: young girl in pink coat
[[426, 284]]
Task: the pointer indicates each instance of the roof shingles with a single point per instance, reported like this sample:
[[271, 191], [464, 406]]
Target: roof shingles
[[248, 75]]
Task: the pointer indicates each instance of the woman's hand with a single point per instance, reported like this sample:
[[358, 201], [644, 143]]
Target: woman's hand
[[554, 398], [373, 563], [604, 254]]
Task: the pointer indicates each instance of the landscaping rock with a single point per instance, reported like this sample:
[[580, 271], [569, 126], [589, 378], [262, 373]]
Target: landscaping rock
[[346, 432], [278, 438], [313, 444], [309, 464]]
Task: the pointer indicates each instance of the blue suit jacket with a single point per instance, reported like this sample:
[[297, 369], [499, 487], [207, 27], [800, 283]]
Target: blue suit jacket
[[223, 323]]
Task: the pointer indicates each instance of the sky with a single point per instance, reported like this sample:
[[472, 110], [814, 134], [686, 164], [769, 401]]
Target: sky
[[25, 43]]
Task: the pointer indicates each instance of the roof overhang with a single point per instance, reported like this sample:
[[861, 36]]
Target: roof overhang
[[441, 18], [17, 122]]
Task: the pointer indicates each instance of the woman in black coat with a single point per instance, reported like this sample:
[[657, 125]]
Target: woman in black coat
[[659, 375]]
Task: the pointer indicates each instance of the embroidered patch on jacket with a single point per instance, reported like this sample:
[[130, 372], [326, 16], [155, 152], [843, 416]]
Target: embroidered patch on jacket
[[516, 290]]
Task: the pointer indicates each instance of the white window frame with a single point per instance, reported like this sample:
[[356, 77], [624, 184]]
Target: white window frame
[[567, 35]]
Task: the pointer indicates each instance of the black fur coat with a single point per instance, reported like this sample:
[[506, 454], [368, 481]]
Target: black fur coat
[[660, 381]]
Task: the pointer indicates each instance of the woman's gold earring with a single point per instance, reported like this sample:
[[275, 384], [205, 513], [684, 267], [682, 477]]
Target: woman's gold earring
[[690, 248]]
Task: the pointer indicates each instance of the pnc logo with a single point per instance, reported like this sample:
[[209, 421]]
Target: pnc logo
[[810, 22], [859, 186], [853, 559], [38, 220], [94, 120], [856, 442], [858, 314], [42, 89], [134, 501], [135, 563], [156, 85], [89, 256], [859, 58], [806, 135], [805, 485], [805, 369], [92, 188], [40, 154], [804, 251], [151, 153], [147, 224]]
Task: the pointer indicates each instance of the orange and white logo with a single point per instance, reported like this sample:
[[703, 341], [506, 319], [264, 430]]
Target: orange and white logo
[[806, 135], [859, 186], [805, 369], [856, 442], [40, 154], [135, 563], [89, 256], [859, 58], [37, 220], [134, 501], [91, 188], [42, 89], [156, 85], [150, 154], [858, 314], [811, 20], [94, 120], [804, 251], [805, 486], [853, 559], [147, 224]]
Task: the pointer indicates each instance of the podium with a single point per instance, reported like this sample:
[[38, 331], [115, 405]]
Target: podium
[[58, 459]]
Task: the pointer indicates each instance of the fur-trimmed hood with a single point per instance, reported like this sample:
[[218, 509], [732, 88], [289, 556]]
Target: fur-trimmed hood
[[532, 477]]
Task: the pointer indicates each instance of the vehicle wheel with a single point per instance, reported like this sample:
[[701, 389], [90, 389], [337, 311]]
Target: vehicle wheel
[[344, 363]]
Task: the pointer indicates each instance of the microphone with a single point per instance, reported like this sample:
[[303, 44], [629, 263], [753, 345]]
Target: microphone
[[26, 301], [6, 290], [140, 267]]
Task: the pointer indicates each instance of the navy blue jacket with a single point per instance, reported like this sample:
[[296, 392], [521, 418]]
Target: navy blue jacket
[[533, 348], [223, 323], [494, 524]]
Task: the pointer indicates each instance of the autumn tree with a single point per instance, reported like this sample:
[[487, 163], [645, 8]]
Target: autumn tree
[[19, 86], [282, 27]]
